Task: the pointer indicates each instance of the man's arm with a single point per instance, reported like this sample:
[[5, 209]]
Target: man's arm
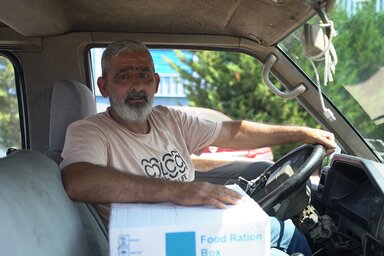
[[246, 134], [83, 180]]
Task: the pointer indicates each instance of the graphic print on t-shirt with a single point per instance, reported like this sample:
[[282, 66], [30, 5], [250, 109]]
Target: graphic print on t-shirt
[[171, 167]]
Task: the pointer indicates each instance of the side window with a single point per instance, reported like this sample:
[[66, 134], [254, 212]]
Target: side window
[[217, 85], [10, 134]]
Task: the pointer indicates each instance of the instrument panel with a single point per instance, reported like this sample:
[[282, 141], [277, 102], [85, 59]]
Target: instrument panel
[[351, 190]]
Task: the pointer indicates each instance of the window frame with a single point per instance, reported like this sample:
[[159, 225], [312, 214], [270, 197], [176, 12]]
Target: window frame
[[21, 98]]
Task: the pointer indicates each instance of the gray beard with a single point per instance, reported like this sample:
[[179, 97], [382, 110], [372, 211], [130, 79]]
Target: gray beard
[[132, 112]]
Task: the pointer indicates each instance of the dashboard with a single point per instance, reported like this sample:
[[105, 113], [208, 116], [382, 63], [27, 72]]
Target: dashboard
[[351, 191]]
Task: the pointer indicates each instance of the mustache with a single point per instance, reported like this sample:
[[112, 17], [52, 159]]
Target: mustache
[[136, 95]]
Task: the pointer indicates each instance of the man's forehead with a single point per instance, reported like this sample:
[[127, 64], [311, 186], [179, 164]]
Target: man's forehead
[[128, 67], [133, 60], [133, 54]]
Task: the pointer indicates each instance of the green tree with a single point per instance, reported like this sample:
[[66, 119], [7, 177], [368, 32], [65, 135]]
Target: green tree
[[9, 114], [231, 82], [359, 45], [359, 48]]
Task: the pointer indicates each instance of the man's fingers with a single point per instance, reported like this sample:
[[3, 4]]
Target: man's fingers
[[224, 197], [230, 196], [325, 138], [329, 151], [214, 202], [204, 193], [330, 140]]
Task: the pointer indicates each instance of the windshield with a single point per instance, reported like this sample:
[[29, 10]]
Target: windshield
[[357, 89]]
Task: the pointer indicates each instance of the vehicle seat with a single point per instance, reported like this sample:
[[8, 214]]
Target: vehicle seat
[[37, 216], [71, 101]]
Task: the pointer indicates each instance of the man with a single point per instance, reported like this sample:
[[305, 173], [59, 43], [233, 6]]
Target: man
[[135, 152]]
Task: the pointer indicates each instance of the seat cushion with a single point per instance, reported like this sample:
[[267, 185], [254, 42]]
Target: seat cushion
[[37, 217]]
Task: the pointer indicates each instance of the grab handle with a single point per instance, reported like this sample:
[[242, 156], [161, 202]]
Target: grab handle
[[286, 95]]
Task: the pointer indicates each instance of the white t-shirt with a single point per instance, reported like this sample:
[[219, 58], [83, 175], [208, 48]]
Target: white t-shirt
[[162, 153]]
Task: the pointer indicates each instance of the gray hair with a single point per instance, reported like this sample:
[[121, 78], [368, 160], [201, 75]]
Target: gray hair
[[118, 47]]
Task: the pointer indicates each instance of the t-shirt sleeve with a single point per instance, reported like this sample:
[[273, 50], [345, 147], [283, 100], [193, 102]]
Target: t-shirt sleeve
[[84, 142], [198, 132]]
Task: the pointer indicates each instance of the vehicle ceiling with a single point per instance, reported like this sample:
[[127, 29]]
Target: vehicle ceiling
[[264, 21]]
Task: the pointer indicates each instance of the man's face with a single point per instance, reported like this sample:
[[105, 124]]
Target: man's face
[[131, 85]]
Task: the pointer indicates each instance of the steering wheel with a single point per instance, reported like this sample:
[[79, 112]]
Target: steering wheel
[[282, 186]]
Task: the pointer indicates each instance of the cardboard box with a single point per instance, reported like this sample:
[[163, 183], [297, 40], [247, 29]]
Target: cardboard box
[[166, 229]]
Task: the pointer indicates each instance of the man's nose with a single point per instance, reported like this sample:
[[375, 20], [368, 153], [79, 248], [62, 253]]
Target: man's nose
[[136, 80]]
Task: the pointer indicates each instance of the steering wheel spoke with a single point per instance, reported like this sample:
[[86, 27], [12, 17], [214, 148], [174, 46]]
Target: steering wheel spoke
[[286, 178]]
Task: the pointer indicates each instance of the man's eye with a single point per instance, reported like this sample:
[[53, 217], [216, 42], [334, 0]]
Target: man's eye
[[124, 76], [145, 76]]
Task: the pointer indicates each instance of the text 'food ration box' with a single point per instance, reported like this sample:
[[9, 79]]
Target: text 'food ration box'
[[166, 229]]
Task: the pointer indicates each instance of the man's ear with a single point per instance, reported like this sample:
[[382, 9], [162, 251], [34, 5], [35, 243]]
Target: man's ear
[[157, 78], [102, 84]]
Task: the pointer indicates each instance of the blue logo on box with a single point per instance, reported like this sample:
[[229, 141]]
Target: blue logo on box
[[180, 244]]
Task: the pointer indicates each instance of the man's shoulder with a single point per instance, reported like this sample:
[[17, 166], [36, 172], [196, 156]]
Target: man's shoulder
[[96, 120], [162, 111], [165, 110]]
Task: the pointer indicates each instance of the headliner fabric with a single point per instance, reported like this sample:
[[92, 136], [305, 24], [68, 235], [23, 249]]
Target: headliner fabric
[[263, 21]]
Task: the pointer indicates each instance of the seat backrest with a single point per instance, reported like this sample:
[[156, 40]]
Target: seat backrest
[[37, 217], [71, 101]]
